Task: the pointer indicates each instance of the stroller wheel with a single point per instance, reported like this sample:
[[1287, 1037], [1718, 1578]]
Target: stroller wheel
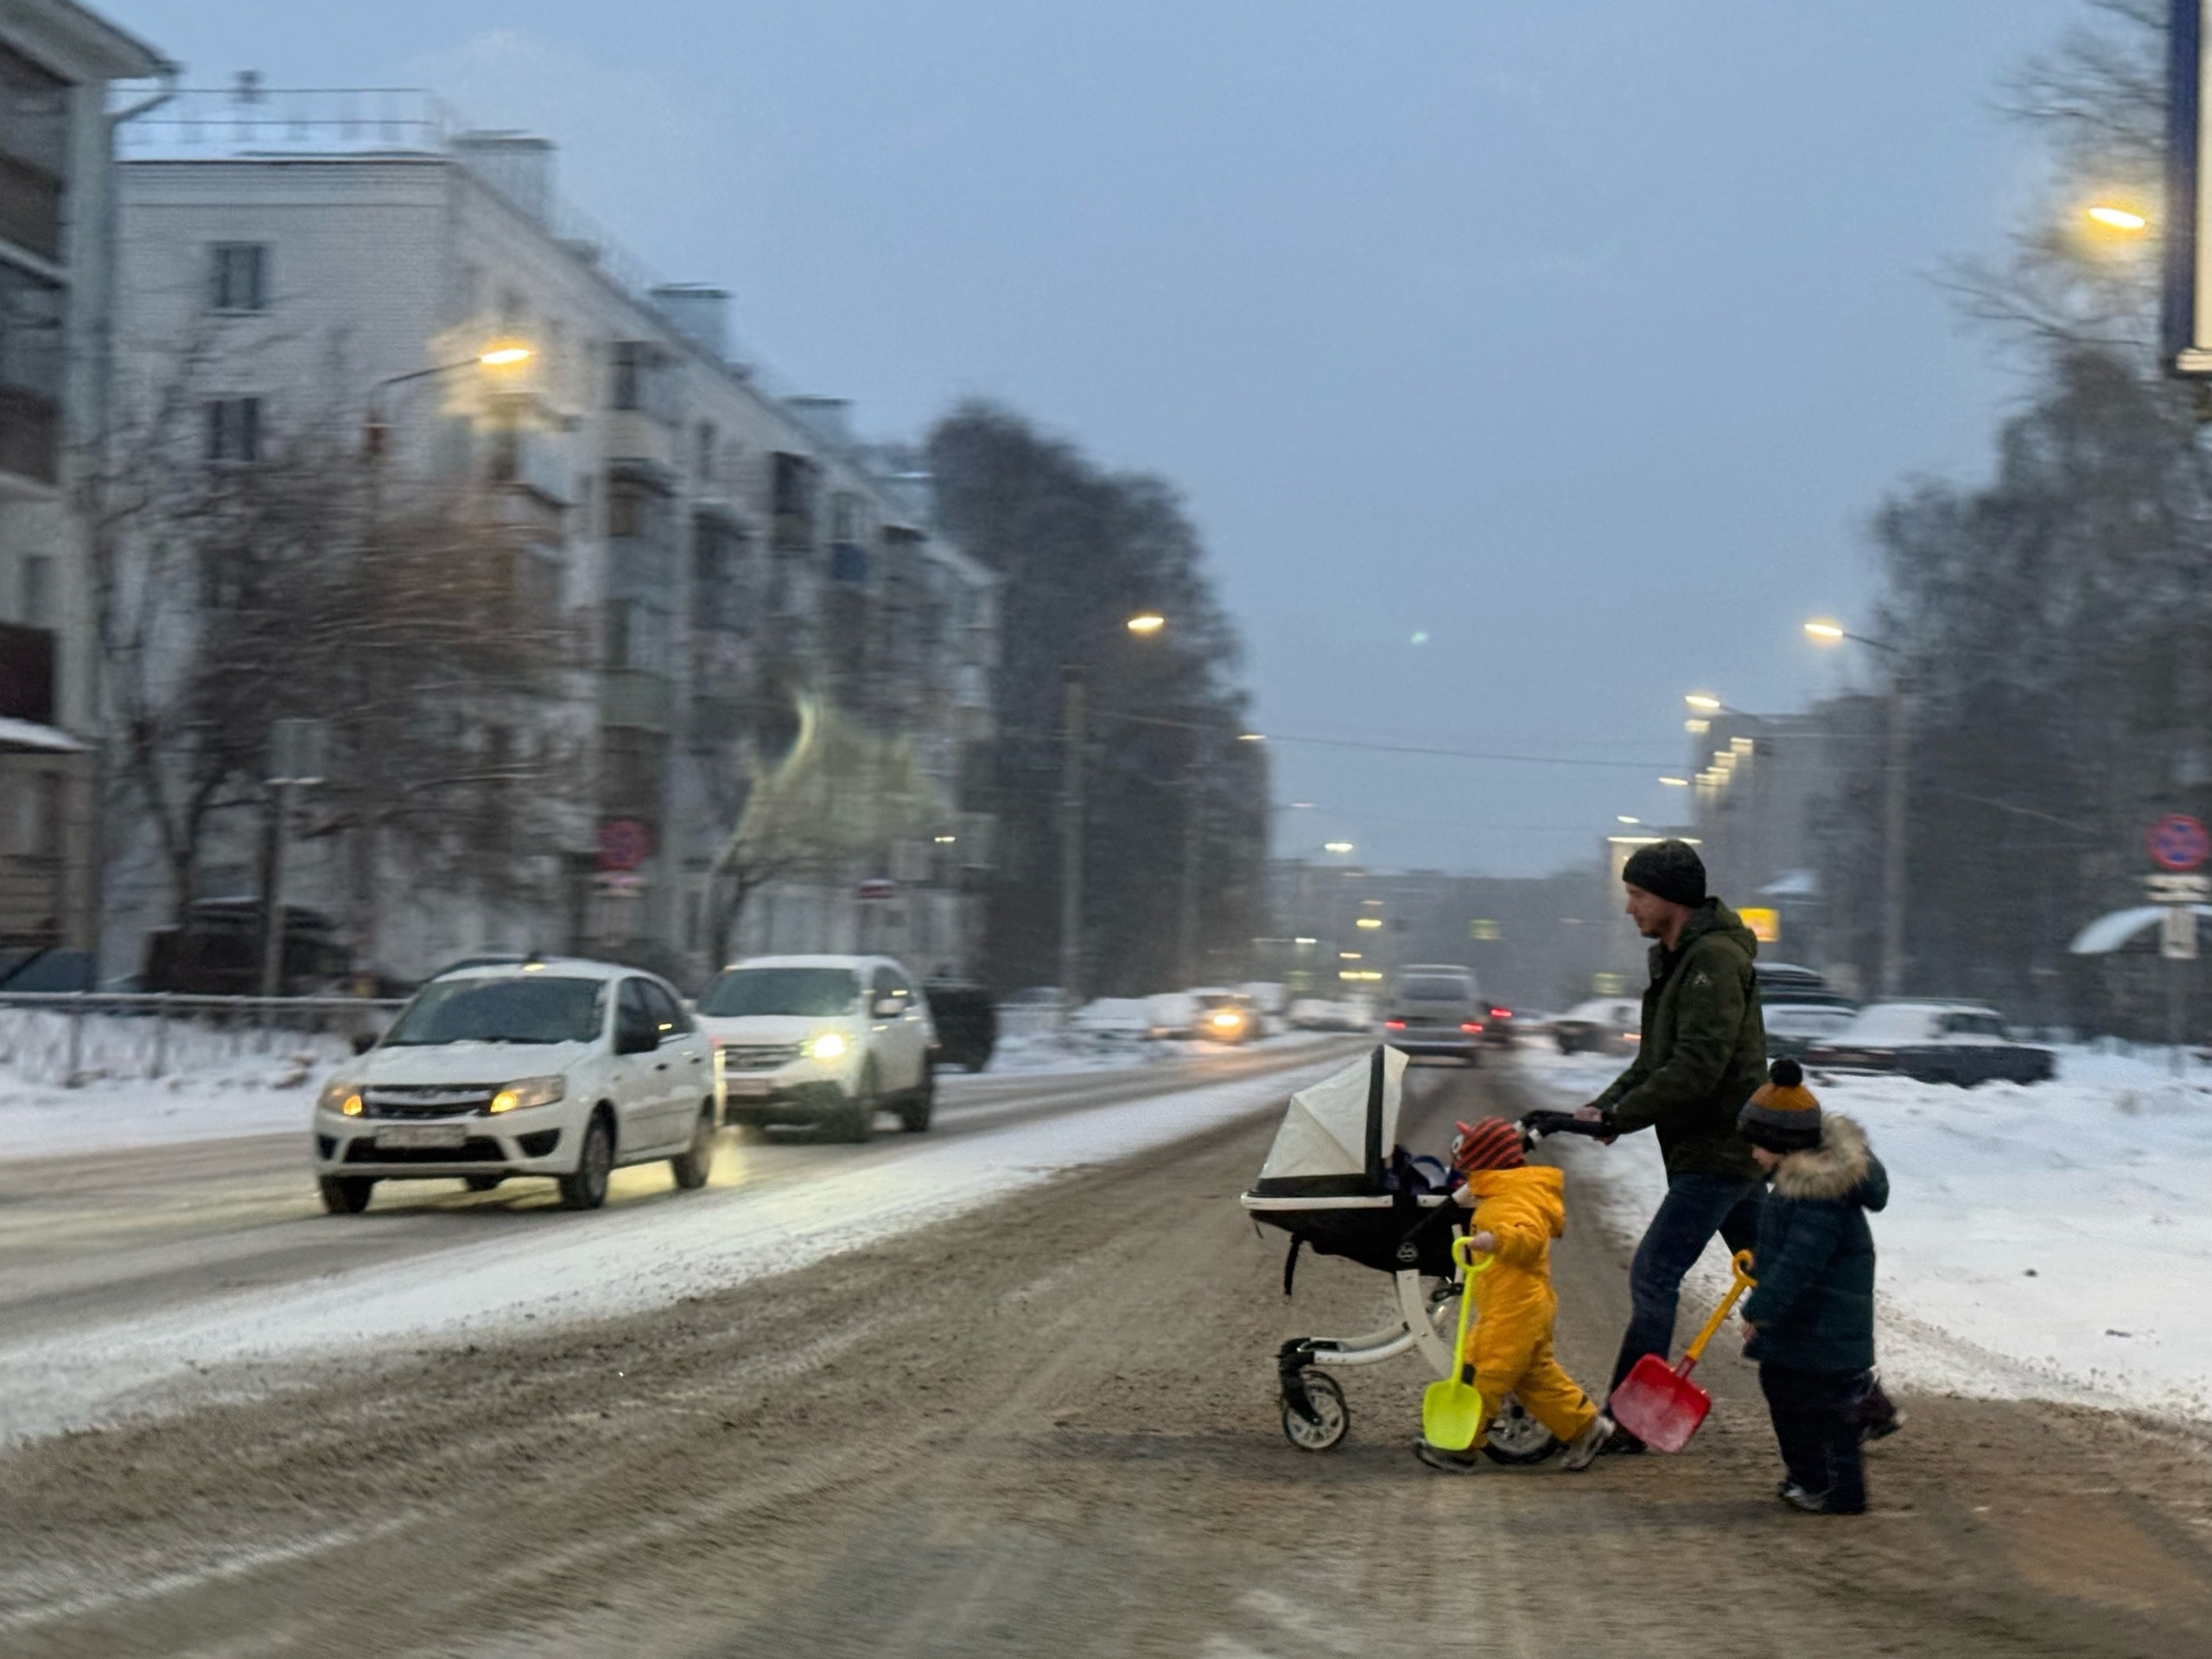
[[1516, 1437], [1327, 1417]]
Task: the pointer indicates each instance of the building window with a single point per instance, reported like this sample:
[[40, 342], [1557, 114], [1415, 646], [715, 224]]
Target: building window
[[234, 429], [30, 375], [706, 442], [38, 590], [632, 373], [238, 276], [34, 154]]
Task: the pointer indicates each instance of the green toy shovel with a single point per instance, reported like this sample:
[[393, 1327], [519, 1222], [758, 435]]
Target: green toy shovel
[[1452, 1410]]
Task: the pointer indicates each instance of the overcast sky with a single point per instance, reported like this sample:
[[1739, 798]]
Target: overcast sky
[[1526, 363]]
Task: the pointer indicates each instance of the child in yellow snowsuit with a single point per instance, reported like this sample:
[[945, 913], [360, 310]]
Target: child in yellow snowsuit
[[1518, 1210]]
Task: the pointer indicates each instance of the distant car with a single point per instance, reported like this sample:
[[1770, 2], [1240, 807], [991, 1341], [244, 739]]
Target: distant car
[[1961, 1043], [1605, 1025], [967, 1022], [1226, 1016], [564, 1068], [824, 1040], [1502, 1027], [1436, 1010]]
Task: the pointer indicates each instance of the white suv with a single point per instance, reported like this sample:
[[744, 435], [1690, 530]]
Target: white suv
[[561, 1068], [824, 1040]]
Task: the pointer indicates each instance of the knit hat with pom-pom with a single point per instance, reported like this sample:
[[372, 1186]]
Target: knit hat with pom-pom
[[1784, 1115]]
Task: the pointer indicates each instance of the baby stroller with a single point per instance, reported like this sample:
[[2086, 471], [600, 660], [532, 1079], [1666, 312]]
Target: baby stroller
[[1337, 1179]]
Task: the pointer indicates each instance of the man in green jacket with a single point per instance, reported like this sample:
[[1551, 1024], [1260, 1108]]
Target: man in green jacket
[[1703, 1052]]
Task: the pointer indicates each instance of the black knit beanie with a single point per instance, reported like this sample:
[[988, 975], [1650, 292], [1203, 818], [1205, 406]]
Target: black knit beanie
[[1667, 869]]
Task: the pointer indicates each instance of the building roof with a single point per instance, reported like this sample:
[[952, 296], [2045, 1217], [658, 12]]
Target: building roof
[[90, 44]]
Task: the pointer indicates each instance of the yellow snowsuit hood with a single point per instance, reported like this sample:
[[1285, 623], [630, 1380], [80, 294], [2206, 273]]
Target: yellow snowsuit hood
[[1526, 1208]]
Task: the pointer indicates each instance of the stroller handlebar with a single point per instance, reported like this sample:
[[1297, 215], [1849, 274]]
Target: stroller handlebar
[[1541, 1124]]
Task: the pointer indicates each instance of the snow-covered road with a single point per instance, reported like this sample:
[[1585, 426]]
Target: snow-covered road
[[2045, 1241], [769, 1209]]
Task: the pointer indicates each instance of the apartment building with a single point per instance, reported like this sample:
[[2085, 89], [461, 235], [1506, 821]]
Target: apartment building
[[56, 177], [730, 554]]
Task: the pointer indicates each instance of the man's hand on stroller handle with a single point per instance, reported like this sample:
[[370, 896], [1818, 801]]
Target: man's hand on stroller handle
[[1585, 1121]]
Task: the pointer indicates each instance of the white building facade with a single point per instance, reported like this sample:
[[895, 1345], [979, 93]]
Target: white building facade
[[725, 555]]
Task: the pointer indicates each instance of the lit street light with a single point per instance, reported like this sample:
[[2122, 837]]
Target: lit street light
[[1623, 817], [1145, 622], [1336, 847], [2126, 220], [1893, 805], [1702, 704], [1675, 783]]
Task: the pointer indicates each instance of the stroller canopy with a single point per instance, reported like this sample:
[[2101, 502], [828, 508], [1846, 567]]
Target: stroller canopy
[[1338, 1133]]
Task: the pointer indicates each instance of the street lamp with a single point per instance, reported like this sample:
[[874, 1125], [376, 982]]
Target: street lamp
[[1144, 625], [1675, 783], [1898, 770], [1336, 847], [2113, 217], [1702, 704], [504, 355]]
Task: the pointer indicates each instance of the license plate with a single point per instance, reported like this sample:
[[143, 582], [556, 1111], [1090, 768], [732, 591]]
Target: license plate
[[750, 1087], [423, 1137]]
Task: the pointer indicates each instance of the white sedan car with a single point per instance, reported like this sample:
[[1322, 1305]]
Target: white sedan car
[[564, 1068]]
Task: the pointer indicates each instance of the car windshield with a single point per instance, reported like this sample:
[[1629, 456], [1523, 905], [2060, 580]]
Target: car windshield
[[504, 1010], [814, 993], [1438, 989], [1806, 1019]]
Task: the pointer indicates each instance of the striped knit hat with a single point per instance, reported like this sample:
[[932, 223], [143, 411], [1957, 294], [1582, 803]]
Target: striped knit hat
[[1487, 1143], [1784, 1115]]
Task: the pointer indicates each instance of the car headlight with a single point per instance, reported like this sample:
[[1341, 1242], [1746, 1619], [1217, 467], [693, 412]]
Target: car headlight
[[341, 1098], [829, 1045], [1226, 1021], [530, 1091]]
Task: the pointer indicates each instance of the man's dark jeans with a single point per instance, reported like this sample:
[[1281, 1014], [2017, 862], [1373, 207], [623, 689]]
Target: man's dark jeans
[[1696, 1207], [1817, 1420]]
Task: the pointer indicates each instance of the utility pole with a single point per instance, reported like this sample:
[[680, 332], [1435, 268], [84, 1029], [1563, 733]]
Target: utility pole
[[1893, 833], [1072, 698], [296, 749], [1194, 843]]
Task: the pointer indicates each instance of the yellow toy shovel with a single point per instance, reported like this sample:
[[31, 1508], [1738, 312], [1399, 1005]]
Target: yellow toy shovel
[[1452, 1410]]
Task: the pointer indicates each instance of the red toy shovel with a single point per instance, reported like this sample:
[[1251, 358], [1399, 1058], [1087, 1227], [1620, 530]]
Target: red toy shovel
[[1657, 1402]]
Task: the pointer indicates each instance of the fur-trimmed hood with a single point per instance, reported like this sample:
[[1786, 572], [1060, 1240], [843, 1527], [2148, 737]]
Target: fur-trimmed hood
[[1843, 1166]]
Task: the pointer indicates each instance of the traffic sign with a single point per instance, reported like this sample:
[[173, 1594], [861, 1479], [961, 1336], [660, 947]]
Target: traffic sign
[[2178, 842], [2179, 889], [624, 843]]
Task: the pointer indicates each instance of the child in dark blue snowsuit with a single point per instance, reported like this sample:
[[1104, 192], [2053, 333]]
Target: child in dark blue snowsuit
[[1810, 1322]]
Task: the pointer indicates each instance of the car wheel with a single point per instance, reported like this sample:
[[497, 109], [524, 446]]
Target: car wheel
[[587, 1188], [696, 1161], [482, 1183], [914, 1115], [346, 1195], [859, 1111]]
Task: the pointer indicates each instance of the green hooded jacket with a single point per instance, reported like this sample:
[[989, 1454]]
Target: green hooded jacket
[[1704, 1049]]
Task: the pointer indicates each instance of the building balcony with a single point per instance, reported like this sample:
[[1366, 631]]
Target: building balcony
[[634, 437]]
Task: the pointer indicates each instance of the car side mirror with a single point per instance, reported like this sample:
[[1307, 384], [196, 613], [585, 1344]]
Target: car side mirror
[[366, 1040], [889, 1008], [636, 1039]]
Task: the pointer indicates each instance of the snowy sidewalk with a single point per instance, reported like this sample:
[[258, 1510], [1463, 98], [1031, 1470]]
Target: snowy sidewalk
[[2052, 1240]]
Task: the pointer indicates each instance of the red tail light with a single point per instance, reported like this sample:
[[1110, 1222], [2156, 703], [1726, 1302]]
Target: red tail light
[[1394, 1025], [1472, 1025], [1501, 1014]]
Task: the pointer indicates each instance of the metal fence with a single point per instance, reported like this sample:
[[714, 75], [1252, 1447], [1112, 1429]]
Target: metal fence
[[76, 1036]]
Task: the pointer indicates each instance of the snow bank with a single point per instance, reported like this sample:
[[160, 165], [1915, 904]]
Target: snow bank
[[216, 1083], [2043, 1240], [550, 1266]]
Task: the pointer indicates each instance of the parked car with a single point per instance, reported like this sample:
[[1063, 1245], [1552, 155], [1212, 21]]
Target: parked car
[[826, 1042], [1435, 1009], [1961, 1043], [219, 954], [1319, 1014], [1501, 1028], [1796, 1021], [1605, 1025], [563, 1068], [966, 1020]]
